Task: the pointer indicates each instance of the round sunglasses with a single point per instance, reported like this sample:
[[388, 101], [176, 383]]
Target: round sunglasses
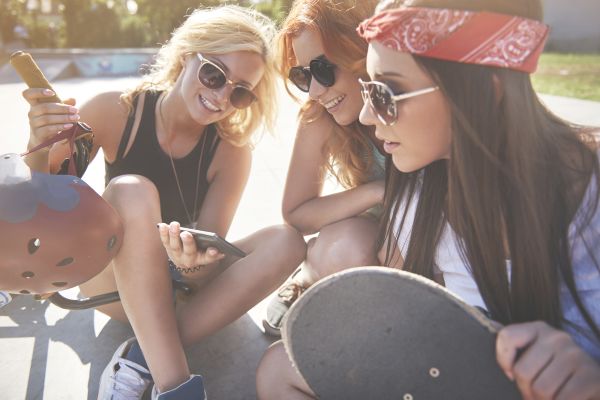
[[382, 99], [213, 77], [320, 68]]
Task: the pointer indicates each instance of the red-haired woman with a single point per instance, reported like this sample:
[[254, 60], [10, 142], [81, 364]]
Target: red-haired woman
[[321, 54]]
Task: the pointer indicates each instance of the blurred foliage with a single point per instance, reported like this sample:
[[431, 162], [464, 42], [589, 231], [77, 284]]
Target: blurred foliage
[[570, 75], [107, 23]]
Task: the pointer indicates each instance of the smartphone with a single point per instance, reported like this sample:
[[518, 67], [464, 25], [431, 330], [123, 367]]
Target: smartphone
[[206, 239]]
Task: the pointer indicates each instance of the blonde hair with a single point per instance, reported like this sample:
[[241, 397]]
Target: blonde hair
[[220, 30], [348, 149]]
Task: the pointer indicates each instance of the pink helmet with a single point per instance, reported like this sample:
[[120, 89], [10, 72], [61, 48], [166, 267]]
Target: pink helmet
[[56, 232]]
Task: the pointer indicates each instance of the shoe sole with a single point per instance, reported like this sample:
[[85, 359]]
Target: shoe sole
[[270, 330], [377, 333]]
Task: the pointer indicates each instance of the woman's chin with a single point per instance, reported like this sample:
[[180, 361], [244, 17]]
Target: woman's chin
[[404, 165]]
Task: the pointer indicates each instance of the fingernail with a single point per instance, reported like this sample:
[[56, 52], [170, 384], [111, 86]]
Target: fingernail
[[67, 126], [73, 110], [74, 117], [48, 92]]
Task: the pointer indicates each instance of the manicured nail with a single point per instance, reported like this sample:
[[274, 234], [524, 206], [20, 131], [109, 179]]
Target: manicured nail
[[67, 126], [48, 92]]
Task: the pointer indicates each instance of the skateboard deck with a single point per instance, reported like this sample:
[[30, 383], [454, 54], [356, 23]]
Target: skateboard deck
[[380, 333]]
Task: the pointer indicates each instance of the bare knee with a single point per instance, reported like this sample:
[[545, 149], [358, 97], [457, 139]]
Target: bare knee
[[287, 240], [132, 195], [345, 244], [275, 377], [283, 244]]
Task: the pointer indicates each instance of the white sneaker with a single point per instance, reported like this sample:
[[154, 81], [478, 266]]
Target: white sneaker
[[121, 379], [5, 298], [192, 389]]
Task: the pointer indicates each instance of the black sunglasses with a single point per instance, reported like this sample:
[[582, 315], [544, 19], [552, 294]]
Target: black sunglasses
[[213, 77], [320, 68], [383, 101]]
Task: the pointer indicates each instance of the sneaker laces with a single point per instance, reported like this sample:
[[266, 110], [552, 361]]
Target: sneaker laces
[[290, 292], [127, 383]]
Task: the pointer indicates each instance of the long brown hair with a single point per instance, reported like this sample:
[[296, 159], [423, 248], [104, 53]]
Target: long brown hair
[[348, 149], [514, 181]]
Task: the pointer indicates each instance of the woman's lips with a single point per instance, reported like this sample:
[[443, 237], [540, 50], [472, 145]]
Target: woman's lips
[[389, 147]]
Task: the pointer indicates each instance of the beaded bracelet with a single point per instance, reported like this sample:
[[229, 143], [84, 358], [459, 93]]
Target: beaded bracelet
[[181, 270]]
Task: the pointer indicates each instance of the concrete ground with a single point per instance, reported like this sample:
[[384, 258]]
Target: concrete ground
[[50, 353]]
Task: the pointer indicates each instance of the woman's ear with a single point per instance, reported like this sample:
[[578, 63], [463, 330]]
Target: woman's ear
[[183, 62], [498, 88]]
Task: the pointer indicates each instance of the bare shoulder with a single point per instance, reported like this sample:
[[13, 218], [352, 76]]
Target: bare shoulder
[[105, 112], [312, 134], [321, 126], [230, 159], [227, 152], [107, 115], [103, 105]]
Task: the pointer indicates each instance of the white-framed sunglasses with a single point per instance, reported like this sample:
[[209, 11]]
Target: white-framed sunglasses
[[213, 77], [382, 99]]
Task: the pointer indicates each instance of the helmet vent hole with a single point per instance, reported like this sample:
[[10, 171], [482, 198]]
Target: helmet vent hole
[[34, 245], [27, 274], [59, 284], [64, 262], [111, 243]]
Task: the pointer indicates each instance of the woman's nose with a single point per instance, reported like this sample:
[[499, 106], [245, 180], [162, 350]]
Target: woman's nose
[[316, 90], [367, 116], [223, 94]]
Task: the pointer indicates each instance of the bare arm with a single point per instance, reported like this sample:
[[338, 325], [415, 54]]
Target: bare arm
[[228, 175], [231, 171], [104, 113], [303, 206]]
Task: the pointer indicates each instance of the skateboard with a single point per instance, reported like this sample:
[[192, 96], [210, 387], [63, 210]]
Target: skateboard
[[380, 333]]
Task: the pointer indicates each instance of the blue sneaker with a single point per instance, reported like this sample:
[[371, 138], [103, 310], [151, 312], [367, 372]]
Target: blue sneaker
[[123, 379], [192, 389]]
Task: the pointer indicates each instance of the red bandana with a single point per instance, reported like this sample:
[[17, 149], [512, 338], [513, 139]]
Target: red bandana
[[482, 38]]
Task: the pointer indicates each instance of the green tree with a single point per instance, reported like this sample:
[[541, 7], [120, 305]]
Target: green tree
[[10, 10]]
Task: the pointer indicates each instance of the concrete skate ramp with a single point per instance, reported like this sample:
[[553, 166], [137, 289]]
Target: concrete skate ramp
[[54, 69], [86, 63]]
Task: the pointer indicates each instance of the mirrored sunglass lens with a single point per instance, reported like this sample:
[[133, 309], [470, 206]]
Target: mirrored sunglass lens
[[382, 103], [211, 76], [241, 97], [300, 78], [323, 72]]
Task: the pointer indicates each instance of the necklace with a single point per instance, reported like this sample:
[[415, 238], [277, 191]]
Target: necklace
[[191, 218]]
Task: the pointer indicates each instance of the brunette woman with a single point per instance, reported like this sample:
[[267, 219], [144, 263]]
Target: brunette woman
[[490, 193]]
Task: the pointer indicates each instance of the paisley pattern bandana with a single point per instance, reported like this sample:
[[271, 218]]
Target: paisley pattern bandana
[[483, 38]]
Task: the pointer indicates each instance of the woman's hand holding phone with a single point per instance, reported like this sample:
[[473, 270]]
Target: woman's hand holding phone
[[182, 250]]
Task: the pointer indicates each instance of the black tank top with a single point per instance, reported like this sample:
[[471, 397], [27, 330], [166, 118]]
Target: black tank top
[[146, 158]]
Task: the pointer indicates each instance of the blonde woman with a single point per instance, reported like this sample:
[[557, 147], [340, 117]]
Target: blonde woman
[[177, 148], [321, 54]]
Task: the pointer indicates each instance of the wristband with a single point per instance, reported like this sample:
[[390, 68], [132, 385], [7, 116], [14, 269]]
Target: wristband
[[181, 270]]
